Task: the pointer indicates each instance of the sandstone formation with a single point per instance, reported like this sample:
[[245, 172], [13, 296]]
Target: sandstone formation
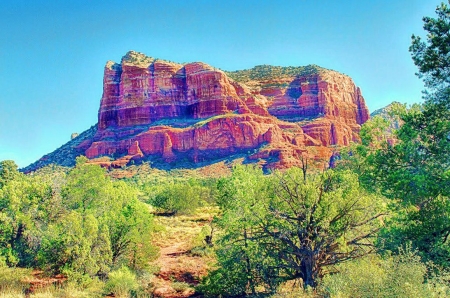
[[177, 115], [142, 90]]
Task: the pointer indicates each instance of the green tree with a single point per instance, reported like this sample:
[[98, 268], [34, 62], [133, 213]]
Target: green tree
[[178, 197], [76, 246], [284, 227], [318, 223], [432, 56], [86, 187], [22, 217], [8, 171], [414, 172], [104, 226], [415, 169], [241, 261], [131, 227]]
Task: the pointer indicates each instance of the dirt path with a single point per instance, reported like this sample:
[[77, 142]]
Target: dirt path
[[179, 269]]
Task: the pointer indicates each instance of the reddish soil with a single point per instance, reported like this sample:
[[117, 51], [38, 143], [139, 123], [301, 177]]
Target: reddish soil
[[180, 271], [39, 280]]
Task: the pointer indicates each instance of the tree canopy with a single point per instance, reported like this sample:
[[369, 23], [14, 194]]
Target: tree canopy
[[285, 227], [432, 56]]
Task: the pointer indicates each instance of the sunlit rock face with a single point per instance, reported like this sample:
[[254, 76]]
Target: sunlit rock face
[[184, 114], [142, 90], [326, 94], [197, 112]]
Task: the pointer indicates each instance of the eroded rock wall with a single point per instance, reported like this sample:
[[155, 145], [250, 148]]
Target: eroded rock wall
[[174, 112]]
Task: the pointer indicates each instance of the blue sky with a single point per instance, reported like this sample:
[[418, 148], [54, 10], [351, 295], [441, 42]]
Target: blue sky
[[52, 53]]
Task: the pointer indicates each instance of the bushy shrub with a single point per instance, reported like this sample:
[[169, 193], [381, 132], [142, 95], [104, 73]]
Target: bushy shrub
[[122, 282], [179, 197], [403, 275], [230, 281], [13, 280], [81, 225], [175, 192]]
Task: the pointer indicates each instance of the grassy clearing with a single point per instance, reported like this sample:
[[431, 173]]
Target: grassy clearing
[[179, 268], [13, 280]]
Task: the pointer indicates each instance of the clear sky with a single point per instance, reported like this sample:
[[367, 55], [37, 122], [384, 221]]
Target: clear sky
[[52, 53]]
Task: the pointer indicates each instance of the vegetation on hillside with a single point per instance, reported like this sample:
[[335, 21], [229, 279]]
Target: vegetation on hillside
[[81, 224], [269, 72], [286, 226]]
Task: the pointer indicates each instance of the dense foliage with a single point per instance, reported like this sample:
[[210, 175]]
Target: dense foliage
[[81, 224], [403, 275], [432, 55], [175, 192], [412, 168], [284, 227], [266, 239]]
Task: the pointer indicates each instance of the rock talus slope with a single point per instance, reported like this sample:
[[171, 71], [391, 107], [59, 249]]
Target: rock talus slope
[[183, 114]]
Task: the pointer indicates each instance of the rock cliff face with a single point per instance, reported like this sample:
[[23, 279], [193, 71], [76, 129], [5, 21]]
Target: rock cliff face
[[142, 90], [327, 104], [182, 115]]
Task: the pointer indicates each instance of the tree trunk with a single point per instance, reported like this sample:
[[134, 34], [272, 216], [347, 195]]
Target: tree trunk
[[249, 268], [17, 237], [307, 272]]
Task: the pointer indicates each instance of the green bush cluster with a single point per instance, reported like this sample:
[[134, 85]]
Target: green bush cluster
[[81, 224], [268, 72], [177, 193], [121, 282], [402, 275]]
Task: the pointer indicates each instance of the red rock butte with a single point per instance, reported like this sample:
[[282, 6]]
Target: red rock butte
[[189, 114]]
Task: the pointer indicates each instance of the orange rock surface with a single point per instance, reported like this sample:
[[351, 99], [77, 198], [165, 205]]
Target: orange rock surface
[[183, 115], [153, 108], [142, 90]]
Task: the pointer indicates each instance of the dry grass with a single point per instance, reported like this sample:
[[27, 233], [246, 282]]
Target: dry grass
[[13, 281], [179, 269], [51, 292], [182, 229], [12, 294], [294, 289], [54, 292], [19, 282]]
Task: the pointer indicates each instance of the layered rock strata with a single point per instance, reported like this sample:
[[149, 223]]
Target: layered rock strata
[[172, 113]]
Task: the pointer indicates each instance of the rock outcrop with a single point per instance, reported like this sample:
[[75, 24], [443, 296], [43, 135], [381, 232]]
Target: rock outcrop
[[142, 90], [385, 113], [183, 115]]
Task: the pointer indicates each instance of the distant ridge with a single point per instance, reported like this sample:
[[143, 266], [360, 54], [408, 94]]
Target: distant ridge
[[64, 155], [384, 113]]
